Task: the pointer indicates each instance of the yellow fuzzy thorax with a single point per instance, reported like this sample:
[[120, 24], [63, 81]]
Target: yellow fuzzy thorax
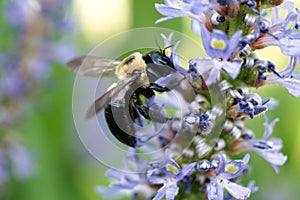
[[136, 63]]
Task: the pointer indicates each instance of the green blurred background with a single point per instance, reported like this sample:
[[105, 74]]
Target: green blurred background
[[64, 170]]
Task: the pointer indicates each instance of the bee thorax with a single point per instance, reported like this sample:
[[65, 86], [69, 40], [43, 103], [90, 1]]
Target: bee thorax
[[130, 64]]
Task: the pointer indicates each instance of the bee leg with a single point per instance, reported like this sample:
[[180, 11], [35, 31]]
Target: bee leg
[[148, 113], [159, 88], [151, 114]]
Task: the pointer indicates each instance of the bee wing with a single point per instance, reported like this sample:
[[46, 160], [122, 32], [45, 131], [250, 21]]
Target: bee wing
[[107, 97], [93, 66], [170, 81]]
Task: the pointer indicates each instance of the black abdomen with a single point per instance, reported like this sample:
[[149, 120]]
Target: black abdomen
[[120, 124]]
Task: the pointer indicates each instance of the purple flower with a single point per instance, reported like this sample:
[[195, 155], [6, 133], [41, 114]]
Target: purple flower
[[280, 12], [251, 186], [16, 159], [185, 8], [222, 180], [17, 12], [290, 79], [267, 147], [22, 160], [13, 84], [246, 104], [173, 174], [203, 123], [4, 172], [132, 179], [281, 34], [219, 48], [168, 46]]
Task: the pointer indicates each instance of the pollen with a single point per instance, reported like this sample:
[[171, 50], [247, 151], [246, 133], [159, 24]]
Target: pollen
[[218, 44], [168, 52], [133, 165], [231, 169], [290, 25], [172, 169]]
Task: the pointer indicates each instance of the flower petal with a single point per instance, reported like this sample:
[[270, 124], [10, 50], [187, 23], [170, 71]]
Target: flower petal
[[111, 193], [160, 193], [214, 76], [232, 68], [236, 190], [202, 65], [269, 127], [187, 170], [172, 191], [274, 158], [233, 42], [291, 84], [169, 11]]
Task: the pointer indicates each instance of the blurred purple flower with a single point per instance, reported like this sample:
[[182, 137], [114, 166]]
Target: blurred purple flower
[[132, 179], [38, 42], [22, 161], [17, 12], [14, 157], [13, 84]]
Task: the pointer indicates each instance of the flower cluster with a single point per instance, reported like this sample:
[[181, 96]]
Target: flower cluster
[[231, 31], [33, 42]]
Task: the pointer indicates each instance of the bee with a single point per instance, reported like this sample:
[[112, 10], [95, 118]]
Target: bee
[[139, 76]]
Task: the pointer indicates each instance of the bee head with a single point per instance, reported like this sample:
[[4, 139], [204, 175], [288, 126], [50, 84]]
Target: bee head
[[159, 58]]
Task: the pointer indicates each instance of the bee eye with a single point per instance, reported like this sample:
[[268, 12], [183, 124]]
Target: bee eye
[[158, 59], [216, 19]]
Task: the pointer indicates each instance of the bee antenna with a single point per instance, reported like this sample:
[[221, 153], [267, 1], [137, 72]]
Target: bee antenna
[[164, 50], [156, 40]]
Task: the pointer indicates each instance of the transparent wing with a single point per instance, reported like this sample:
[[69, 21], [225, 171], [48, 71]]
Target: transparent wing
[[108, 96], [171, 81], [164, 75], [93, 66]]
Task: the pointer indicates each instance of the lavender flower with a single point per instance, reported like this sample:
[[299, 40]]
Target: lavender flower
[[266, 147], [290, 79], [219, 48], [231, 31], [173, 174], [34, 48], [203, 123], [173, 9], [168, 46], [132, 179], [281, 35], [14, 157], [246, 104], [226, 172]]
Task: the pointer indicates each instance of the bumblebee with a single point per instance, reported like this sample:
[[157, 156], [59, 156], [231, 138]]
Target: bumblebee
[[138, 77]]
